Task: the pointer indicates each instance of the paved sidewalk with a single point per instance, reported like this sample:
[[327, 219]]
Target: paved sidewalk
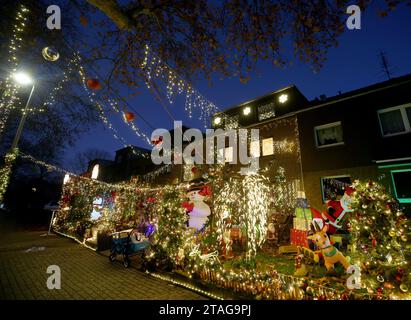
[[84, 273]]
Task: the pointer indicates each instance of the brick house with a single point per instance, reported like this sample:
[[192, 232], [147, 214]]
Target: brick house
[[362, 134]]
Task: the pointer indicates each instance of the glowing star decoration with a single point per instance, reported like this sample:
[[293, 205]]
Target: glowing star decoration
[[97, 206], [247, 111], [217, 121], [50, 54], [200, 212], [94, 173], [283, 98], [246, 201]]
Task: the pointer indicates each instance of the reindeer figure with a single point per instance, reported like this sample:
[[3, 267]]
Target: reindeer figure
[[330, 253]]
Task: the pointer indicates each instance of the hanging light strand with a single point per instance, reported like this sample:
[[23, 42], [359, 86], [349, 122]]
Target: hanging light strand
[[10, 99]]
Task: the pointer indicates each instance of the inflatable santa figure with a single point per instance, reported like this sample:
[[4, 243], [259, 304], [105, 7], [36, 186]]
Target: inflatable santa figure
[[336, 212], [200, 210]]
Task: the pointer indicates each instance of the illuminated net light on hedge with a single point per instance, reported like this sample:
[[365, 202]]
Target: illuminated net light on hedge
[[245, 201]]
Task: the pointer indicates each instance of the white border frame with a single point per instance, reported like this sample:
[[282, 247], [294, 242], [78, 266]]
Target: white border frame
[[404, 116]]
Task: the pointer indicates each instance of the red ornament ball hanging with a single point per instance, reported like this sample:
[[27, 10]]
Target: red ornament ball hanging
[[157, 140], [129, 116], [93, 84], [194, 169]]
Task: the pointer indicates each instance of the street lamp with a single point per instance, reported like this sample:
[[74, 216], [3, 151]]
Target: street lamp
[[22, 79]]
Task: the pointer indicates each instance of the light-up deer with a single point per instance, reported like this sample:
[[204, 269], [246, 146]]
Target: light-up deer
[[330, 253]]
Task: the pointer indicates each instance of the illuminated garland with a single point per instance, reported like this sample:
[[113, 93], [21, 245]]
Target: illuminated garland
[[154, 67], [5, 172], [185, 285], [170, 225], [151, 176], [51, 100], [9, 99]]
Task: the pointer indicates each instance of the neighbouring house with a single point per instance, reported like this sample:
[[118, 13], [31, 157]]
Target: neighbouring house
[[133, 161]]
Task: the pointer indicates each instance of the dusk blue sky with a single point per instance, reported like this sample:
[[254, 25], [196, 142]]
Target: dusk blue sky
[[355, 63]]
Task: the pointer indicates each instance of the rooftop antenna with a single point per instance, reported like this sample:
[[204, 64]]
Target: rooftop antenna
[[385, 65]]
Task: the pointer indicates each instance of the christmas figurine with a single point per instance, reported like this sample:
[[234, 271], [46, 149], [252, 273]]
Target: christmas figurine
[[330, 253], [200, 210], [336, 212]]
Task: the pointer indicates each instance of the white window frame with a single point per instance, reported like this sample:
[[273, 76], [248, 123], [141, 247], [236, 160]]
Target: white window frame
[[404, 116], [326, 126]]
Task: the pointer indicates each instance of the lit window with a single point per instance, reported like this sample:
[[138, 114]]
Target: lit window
[[402, 187], [266, 111], [334, 187], [329, 135], [94, 173], [255, 149], [283, 98], [395, 120], [268, 147]]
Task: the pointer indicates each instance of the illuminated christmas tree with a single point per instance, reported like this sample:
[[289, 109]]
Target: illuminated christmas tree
[[380, 233]]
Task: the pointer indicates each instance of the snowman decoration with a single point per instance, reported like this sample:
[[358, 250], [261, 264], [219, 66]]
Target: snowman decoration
[[200, 212]]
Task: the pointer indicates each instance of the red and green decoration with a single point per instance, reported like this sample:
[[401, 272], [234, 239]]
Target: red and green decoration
[[171, 224], [380, 238]]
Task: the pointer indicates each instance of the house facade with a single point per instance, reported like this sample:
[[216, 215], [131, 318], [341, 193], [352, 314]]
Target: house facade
[[363, 134]]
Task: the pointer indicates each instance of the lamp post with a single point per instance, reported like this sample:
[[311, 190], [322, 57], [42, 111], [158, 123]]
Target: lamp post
[[22, 79]]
